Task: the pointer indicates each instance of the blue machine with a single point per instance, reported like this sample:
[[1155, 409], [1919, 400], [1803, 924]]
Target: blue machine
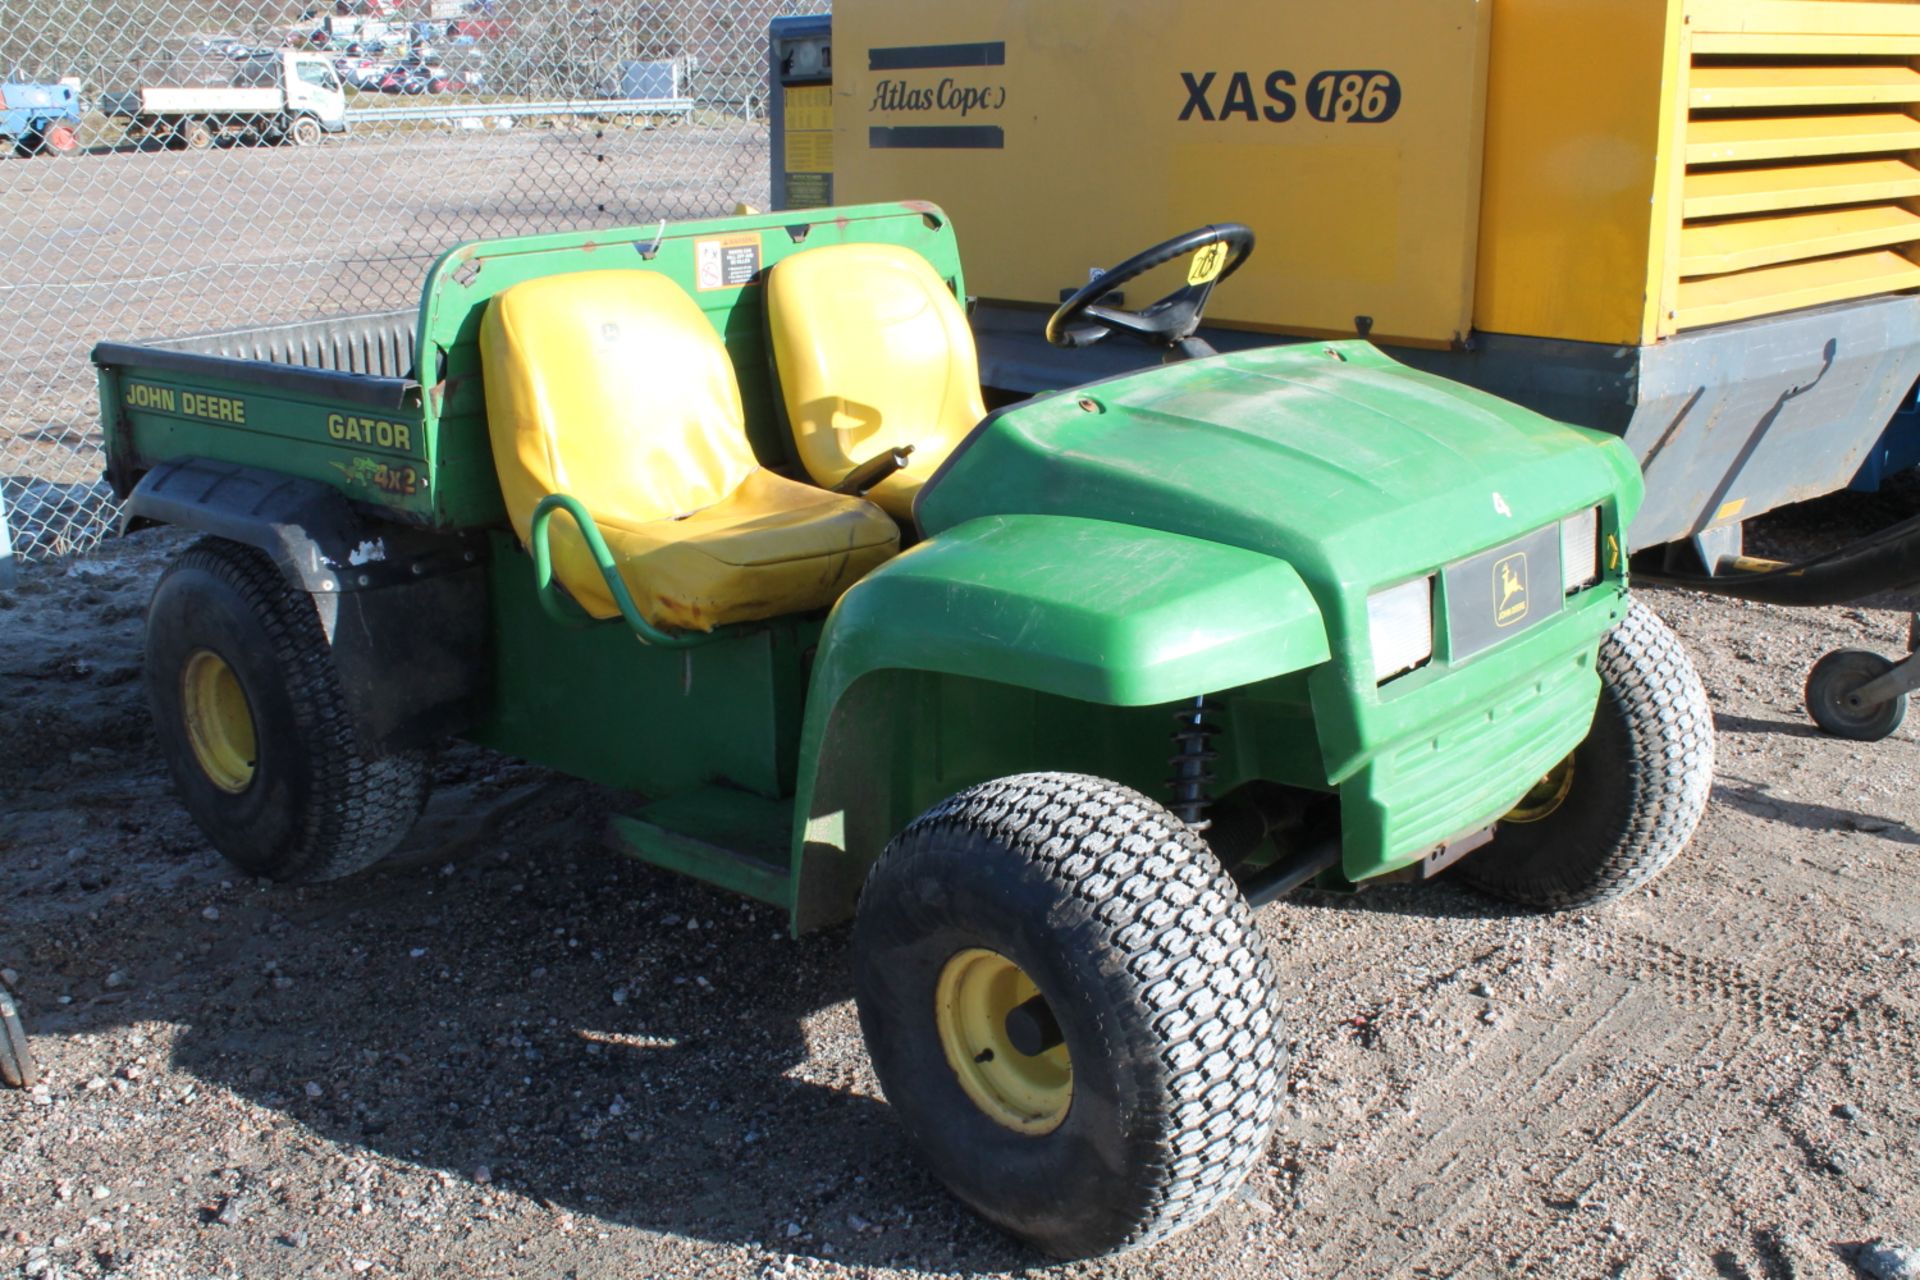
[[40, 119]]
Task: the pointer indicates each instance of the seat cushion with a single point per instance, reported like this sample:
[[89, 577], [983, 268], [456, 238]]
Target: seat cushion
[[774, 546], [873, 352], [613, 387]]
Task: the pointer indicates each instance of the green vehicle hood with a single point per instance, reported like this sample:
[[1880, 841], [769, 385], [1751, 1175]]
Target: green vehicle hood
[[1350, 466]]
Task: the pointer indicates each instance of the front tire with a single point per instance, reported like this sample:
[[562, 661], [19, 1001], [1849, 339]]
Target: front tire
[[1069, 1006], [255, 729], [304, 132], [1613, 814]]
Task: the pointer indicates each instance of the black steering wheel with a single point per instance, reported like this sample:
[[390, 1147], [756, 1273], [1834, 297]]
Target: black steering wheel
[[1218, 251]]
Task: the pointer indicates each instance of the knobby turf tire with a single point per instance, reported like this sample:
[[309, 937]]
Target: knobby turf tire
[[1640, 782], [323, 803], [1154, 968]]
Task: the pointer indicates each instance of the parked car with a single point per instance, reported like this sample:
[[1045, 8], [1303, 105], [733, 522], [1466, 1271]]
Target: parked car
[[403, 80], [470, 29], [361, 73], [415, 78]]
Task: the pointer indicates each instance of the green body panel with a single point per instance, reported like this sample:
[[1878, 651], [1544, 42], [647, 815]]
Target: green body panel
[[1458, 750], [1359, 473], [1093, 610], [897, 740], [374, 455], [595, 702], [726, 837], [1014, 643], [467, 277]]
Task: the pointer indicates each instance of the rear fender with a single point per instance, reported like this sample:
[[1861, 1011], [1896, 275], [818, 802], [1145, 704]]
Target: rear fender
[[404, 610], [1059, 618]]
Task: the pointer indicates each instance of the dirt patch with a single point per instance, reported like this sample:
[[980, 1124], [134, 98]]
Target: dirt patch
[[511, 1052]]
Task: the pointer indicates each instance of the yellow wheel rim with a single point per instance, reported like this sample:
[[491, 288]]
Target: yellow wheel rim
[[1545, 796], [1027, 1093], [219, 722]]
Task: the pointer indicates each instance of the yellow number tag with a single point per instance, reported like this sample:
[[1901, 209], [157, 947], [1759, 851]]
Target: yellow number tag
[[1206, 264]]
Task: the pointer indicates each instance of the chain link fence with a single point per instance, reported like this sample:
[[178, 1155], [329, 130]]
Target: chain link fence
[[462, 118]]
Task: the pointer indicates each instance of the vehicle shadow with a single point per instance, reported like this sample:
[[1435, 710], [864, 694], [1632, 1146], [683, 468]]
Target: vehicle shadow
[[1727, 722], [1442, 898], [1448, 898], [607, 1040], [1756, 799]]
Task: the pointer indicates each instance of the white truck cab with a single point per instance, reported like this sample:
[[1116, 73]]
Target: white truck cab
[[312, 86]]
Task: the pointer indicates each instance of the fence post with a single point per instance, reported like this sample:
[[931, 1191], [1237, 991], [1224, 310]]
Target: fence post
[[8, 575]]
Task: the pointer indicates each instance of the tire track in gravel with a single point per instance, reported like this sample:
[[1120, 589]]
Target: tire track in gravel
[[1481, 1125], [1864, 1024], [1603, 1047], [1653, 1003]]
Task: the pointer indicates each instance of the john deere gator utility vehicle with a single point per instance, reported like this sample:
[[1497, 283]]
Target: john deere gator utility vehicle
[[1042, 698]]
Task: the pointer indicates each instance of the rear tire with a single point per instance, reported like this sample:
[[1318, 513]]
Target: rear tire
[[1632, 794], [1150, 971], [61, 138], [254, 726], [195, 135]]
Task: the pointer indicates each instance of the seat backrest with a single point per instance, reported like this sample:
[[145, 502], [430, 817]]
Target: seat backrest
[[873, 352], [610, 386]]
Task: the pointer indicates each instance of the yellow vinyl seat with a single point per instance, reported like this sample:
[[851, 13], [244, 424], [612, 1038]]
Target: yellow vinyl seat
[[873, 353], [612, 387]]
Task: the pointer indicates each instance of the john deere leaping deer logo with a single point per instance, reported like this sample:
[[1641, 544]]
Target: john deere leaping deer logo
[[1510, 590]]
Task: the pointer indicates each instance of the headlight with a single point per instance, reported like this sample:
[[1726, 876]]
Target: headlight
[[1580, 550], [1400, 625]]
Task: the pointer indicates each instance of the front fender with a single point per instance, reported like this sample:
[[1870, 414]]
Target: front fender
[[1088, 613]]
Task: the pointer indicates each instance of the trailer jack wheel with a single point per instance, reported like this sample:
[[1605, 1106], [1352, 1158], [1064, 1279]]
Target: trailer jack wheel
[[16, 1064], [1840, 701]]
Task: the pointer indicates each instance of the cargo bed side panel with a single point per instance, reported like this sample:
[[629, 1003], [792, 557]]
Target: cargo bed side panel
[[363, 435]]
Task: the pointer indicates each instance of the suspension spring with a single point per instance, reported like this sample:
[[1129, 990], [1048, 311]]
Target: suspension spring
[[1192, 761]]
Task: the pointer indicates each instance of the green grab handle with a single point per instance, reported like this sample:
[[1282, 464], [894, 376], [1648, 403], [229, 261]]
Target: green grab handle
[[570, 614]]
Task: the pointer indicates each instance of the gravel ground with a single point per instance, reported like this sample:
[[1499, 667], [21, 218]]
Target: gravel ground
[[513, 1053]]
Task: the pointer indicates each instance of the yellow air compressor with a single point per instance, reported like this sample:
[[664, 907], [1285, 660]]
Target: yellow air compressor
[[1689, 222]]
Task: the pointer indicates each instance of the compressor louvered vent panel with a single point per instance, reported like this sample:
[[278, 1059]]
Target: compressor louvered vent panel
[[1801, 158]]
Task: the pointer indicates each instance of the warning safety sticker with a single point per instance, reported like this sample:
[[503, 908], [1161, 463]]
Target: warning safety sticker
[[726, 262]]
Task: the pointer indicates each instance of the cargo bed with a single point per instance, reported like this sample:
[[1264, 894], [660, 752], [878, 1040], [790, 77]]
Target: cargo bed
[[335, 400]]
